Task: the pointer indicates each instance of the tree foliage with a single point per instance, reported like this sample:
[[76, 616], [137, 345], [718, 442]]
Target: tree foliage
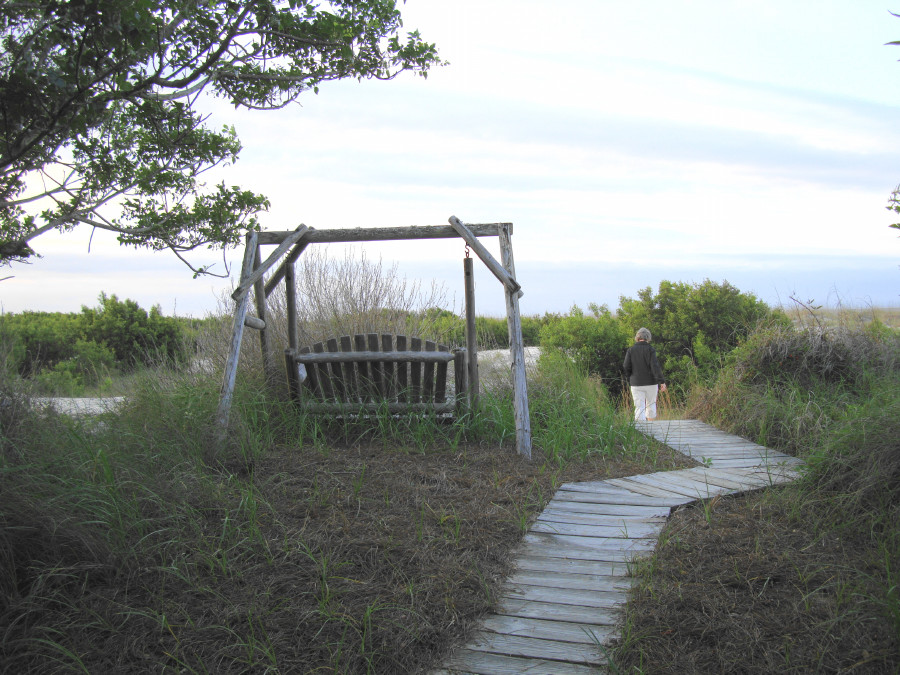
[[693, 325], [115, 333], [99, 119]]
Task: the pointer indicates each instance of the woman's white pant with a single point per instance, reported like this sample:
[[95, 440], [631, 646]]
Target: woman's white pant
[[645, 401]]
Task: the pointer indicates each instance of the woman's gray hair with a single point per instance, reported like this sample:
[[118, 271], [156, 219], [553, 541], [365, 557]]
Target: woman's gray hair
[[642, 334]]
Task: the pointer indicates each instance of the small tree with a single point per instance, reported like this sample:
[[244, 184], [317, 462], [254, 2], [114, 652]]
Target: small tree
[[693, 325], [98, 106]]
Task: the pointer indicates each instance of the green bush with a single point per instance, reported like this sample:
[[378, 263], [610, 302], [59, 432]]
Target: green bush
[[695, 325], [596, 343], [133, 335]]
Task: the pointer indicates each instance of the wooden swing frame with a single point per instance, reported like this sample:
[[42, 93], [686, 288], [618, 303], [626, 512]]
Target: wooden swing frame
[[291, 244]]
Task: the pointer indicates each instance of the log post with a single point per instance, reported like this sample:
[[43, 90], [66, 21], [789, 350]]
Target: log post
[[259, 294], [471, 333], [516, 348], [237, 333], [290, 294]]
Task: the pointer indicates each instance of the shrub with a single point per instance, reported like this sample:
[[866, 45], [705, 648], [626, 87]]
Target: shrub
[[596, 343], [694, 325]]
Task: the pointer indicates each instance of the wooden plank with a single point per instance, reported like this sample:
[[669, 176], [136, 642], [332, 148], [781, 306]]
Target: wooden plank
[[378, 357], [536, 563], [565, 596], [362, 367], [324, 375], [513, 645], [554, 515], [583, 582], [376, 368], [336, 372], [415, 372], [312, 377], [597, 486], [440, 378], [562, 631], [572, 553], [352, 234], [428, 375], [402, 371], [567, 542], [351, 377], [708, 476], [620, 499], [620, 531], [466, 661], [689, 480], [390, 379], [554, 611], [623, 510], [644, 489], [647, 479]]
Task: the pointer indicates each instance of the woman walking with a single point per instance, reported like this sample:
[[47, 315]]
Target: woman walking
[[644, 375]]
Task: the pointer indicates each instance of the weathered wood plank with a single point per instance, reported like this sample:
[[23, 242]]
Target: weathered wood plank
[[513, 645], [648, 479], [564, 596], [415, 372], [618, 498], [623, 510], [389, 382], [620, 531], [584, 554], [554, 515], [551, 611], [376, 368], [465, 662], [689, 481], [645, 489], [351, 377], [561, 631], [324, 375], [597, 486], [428, 374], [534, 563], [582, 582]]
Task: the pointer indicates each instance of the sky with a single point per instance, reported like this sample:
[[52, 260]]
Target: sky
[[628, 143]]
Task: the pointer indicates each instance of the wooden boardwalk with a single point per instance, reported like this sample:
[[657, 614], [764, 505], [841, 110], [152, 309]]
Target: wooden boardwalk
[[561, 605]]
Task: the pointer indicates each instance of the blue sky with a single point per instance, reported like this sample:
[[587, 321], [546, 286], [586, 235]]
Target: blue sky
[[628, 142]]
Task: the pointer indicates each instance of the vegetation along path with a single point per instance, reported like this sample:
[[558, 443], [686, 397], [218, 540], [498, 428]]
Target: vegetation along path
[[560, 608]]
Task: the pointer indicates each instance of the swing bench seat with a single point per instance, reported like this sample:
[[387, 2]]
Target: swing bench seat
[[371, 373]]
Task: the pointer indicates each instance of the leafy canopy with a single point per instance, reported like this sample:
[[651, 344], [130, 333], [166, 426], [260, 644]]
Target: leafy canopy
[[98, 106]]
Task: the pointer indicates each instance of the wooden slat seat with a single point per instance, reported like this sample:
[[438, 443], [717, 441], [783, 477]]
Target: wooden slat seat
[[372, 372]]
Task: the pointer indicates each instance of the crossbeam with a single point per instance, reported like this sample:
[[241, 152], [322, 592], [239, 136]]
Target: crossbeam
[[352, 234]]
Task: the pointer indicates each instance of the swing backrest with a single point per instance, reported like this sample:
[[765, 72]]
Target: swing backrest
[[373, 372]]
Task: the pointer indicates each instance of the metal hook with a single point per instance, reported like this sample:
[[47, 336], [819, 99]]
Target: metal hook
[[467, 250]]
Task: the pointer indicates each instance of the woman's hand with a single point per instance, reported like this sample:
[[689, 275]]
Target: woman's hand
[[662, 387]]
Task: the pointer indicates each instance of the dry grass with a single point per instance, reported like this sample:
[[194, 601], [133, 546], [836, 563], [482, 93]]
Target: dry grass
[[748, 587]]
